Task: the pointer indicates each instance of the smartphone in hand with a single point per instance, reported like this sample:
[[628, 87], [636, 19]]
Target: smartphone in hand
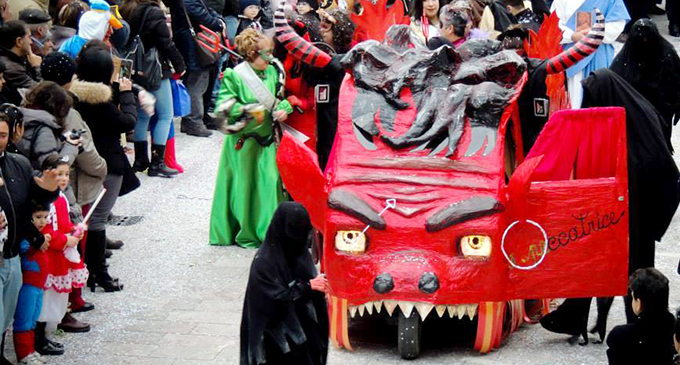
[[126, 69]]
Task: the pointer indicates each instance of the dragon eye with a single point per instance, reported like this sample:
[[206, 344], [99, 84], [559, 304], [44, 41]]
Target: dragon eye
[[350, 241], [475, 246]]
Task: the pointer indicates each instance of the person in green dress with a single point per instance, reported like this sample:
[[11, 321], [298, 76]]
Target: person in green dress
[[248, 188]]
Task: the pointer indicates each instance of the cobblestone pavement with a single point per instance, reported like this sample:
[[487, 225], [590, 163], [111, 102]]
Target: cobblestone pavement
[[182, 299]]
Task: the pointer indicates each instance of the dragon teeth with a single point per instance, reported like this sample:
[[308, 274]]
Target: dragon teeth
[[424, 309], [441, 309], [455, 310], [390, 305], [452, 310], [462, 311], [406, 308], [472, 310]]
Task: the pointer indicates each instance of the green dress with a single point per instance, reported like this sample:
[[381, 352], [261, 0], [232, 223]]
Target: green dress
[[248, 188]]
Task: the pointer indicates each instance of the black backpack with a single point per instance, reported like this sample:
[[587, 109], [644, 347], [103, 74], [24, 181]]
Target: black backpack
[[147, 70]]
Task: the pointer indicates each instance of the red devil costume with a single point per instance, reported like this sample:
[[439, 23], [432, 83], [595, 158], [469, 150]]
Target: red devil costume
[[327, 76]]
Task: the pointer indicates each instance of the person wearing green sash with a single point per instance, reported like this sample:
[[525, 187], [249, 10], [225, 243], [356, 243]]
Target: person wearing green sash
[[248, 188]]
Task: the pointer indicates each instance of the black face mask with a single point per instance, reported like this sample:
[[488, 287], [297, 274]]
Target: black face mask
[[291, 226]]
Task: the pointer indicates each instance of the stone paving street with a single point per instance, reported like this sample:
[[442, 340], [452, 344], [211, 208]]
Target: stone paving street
[[182, 299]]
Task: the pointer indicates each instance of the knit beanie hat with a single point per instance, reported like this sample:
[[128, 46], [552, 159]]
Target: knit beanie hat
[[313, 3], [58, 67], [243, 4]]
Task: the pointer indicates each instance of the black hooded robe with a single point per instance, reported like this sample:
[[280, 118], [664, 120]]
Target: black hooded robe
[[653, 193], [284, 321], [651, 65]]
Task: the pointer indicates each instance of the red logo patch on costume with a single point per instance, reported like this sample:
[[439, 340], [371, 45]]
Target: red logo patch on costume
[[541, 107], [322, 93]]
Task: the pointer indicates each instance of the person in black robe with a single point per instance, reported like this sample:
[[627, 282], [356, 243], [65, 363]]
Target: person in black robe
[[285, 318], [637, 9], [653, 193], [652, 66]]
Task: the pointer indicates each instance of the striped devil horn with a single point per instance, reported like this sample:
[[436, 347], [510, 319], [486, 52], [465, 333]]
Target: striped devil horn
[[582, 49], [297, 46]]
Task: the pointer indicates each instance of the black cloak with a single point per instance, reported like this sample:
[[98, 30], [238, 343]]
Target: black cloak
[[652, 187], [652, 173], [651, 65], [284, 321]]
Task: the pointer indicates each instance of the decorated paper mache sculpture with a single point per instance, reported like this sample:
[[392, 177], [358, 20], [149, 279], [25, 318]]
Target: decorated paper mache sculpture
[[429, 208]]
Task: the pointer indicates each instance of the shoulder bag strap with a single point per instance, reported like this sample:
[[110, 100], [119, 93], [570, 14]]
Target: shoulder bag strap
[[186, 14], [256, 86]]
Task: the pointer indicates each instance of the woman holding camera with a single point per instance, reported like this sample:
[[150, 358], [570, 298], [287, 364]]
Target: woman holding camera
[[248, 187], [46, 107], [108, 115]]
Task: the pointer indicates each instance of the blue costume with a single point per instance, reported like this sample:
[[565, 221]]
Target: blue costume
[[34, 268]]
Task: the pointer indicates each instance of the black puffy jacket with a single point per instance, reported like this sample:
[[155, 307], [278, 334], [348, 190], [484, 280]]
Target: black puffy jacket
[[155, 33], [16, 192], [200, 14]]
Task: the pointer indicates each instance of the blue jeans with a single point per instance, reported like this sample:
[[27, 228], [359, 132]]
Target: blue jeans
[[164, 114], [28, 308], [10, 284], [232, 27]]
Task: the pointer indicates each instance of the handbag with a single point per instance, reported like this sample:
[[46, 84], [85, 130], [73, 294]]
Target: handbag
[[181, 101], [147, 69], [205, 56]]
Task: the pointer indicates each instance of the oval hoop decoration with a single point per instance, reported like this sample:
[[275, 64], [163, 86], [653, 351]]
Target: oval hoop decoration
[[545, 246]]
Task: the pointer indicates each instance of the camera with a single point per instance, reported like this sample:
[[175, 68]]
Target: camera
[[77, 133]]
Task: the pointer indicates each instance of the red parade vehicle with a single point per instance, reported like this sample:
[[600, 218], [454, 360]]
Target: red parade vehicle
[[423, 221]]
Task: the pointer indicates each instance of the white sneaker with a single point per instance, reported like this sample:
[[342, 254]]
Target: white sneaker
[[37, 357], [30, 360], [41, 358]]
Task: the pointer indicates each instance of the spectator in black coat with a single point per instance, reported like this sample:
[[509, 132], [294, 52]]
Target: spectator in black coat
[[107, 118], [154, 33], [22, 66], [649, 340], [21, 186], [197, 77]]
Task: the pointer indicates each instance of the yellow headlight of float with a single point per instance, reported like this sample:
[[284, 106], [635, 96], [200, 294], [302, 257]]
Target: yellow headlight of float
[[350, 241], [476, 246]]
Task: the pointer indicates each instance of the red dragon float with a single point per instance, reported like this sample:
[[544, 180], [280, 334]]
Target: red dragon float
[[429, 207]]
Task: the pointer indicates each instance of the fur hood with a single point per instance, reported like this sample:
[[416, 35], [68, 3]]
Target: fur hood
[[91, 92]]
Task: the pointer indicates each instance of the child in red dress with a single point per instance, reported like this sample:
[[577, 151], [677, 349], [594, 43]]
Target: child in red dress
[[63, 274]]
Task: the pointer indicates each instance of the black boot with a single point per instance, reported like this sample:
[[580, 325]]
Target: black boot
[[194, 129], [141, 156], [210, 122], [99, 272], [114, 245], [43, 345], [158, 167], [673, 30]]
